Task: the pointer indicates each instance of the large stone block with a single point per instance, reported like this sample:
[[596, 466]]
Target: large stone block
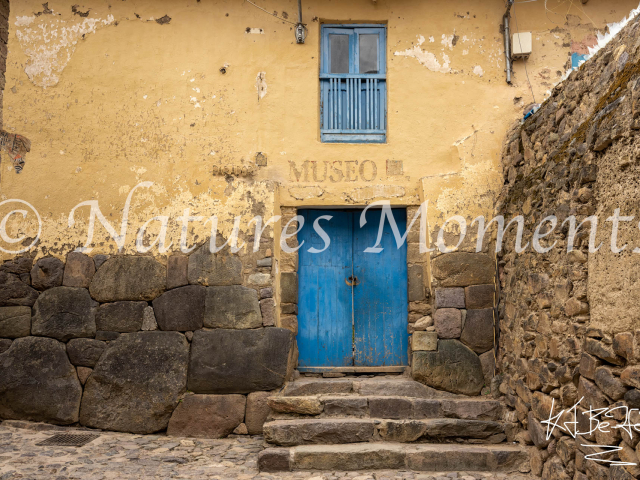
[[210, 269], [64, 313], [450, 297], [427, 341], [85, 352], [38, 383], [207, 416], [289, 287], [603, 351], [177, 271], [609, 383], [415, 283], [478, 331], [454, 368], [290, 322], [319, 431], [625, 345], [238, 361], [137, 383], [47, 273], [461, 269], [479, 296], [632, 397], [15, 322], [588, 366], [274, 460], [631, 376], [268, 311], [128, 278], [14, 292], [234, 306], [5, 344], [488, 362], [78, 270], [257, 412], [18, 265], [181, 309], [346, 407], [106, 336], [616, 472], [448, 322], [298, 405], [537, 432], [123, 317], [593, 397]]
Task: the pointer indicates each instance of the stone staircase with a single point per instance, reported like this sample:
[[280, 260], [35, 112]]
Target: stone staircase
[[385, 422]]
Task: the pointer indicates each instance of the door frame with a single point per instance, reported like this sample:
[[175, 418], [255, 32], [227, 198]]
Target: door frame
[[417, 293]]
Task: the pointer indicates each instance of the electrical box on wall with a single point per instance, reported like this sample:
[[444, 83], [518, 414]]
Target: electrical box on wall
[[521, 44]]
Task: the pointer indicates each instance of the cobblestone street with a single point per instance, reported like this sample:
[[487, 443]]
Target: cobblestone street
[[126, 456]]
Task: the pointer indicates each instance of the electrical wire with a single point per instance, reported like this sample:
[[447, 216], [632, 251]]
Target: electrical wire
[[271, 13], [547, 10], [582, 10], [525, 60]]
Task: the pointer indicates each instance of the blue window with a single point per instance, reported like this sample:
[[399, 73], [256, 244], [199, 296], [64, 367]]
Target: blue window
[[353, 86]]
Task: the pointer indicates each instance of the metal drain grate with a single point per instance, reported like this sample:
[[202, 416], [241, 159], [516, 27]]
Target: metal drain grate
[[68, 440]]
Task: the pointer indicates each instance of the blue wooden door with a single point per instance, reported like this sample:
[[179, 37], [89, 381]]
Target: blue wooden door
[[352, 307], [325, 325], [380, 298]]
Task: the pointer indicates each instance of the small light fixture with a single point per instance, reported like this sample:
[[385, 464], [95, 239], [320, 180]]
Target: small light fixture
[[301, 29], [301, 33]]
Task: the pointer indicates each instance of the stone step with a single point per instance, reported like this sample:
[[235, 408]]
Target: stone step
[[305, 431], [391, 456], [377, 386], [388, 407]]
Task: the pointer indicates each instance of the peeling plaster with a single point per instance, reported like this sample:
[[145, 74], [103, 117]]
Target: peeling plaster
[[447, 41], [474, 192], [24, 20], [477, 70], [50, 42], [244, 199], [426, 58]]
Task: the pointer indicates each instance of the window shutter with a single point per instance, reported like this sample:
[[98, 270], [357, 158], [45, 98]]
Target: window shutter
[[353, 104]]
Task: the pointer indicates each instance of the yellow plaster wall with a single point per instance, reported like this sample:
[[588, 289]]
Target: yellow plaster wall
[[114, 98]]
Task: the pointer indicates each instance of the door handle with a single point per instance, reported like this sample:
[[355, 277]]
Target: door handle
[[352, 281]]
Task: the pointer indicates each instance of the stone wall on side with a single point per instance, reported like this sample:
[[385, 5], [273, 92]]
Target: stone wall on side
[[569, 333]]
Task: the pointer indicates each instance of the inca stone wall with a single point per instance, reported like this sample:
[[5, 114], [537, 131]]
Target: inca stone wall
[[127, 343], [569, 320], [455, 353]]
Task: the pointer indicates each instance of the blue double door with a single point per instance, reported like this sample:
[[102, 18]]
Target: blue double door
[[352, 304]]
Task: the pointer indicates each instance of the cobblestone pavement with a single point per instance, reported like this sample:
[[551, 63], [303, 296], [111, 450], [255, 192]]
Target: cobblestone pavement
[[127, 456]]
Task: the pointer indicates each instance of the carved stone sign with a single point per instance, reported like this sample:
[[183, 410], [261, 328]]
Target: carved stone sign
[[333, 171]]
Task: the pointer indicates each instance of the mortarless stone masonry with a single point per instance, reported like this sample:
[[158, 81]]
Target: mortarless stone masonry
[[130, 372]]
